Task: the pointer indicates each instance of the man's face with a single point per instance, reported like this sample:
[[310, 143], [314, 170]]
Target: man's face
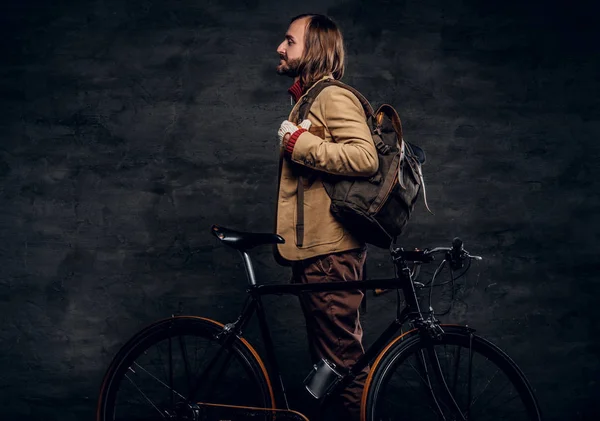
[[291, 49]]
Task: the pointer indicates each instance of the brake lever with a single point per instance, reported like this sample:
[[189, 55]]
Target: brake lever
[[474, 257]]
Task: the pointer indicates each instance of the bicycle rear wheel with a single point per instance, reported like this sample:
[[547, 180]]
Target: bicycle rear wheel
[[175, 363], [482, 380]]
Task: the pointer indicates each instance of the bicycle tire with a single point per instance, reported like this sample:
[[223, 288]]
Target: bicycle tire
[[148, 379], [405, 365]]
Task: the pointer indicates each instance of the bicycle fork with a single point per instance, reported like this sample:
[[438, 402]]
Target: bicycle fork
[[435, 374]]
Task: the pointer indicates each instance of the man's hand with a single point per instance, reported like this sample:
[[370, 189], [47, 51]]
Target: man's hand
[[287, 128], [305, 124]]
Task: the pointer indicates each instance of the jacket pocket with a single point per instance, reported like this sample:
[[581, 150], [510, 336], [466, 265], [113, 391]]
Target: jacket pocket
[[320, 226]]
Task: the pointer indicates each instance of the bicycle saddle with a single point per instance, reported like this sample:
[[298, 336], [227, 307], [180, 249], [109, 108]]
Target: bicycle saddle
[[244, 240]]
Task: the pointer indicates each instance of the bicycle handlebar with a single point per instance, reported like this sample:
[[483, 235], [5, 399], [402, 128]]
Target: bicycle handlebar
[[455, 254]]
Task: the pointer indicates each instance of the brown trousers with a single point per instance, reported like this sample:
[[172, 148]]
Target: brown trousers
[[332, 319]]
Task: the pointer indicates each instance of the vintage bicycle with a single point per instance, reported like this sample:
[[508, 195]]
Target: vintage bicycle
[[195, 368]]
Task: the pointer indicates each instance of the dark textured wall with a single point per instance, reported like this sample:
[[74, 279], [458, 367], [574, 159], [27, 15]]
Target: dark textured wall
[[129, 127]]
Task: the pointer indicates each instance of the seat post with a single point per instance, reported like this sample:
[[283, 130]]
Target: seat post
[[249, 268]]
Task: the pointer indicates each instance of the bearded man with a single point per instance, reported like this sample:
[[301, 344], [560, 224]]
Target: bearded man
[[333, 139]]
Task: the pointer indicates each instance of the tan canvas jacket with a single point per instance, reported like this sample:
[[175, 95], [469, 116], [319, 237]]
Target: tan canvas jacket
[[338, 142]]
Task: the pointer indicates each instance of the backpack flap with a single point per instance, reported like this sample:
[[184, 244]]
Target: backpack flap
[[410, 180], [417, 152], [417, 159]]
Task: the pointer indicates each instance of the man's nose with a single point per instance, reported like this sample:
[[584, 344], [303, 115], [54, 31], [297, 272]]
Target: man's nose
[[280, 49]]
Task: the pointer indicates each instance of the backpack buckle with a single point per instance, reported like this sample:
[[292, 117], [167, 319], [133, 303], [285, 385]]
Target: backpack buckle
[[383, 148]]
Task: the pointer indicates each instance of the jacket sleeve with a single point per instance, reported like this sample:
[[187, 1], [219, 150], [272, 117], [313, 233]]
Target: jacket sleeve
[[351, 151]]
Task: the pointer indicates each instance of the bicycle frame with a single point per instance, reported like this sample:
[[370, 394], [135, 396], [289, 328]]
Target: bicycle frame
[[254, 304]]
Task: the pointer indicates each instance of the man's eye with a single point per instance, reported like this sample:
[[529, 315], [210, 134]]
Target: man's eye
[[290, 42]]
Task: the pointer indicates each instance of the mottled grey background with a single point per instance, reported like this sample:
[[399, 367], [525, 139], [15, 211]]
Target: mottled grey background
[[129, 127]]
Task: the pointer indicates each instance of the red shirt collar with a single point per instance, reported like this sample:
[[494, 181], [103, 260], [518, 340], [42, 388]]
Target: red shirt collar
[[296, 90]]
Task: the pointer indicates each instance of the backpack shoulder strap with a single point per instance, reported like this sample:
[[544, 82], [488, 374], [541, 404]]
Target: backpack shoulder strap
[[308, 99], [364, 102]]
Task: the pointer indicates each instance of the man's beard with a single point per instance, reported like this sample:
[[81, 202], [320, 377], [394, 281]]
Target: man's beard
[[289, 68]]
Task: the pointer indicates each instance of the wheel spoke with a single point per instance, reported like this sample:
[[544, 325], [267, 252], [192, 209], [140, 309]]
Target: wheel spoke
[[186, 364], [422, 362], [428, 393], [145, 397], [456, 365], [161, 363], [494, 396], [493, 409], [485, 388], [159, 381], [470, 377], [171, 370]]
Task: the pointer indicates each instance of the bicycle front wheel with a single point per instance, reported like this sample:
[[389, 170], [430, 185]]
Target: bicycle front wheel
[[461, 376], [175, 363]]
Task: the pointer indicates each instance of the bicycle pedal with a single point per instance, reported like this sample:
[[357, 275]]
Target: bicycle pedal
[[380, 291], [220, 412]]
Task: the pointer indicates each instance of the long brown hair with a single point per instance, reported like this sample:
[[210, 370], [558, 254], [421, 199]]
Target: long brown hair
[[323, 50]]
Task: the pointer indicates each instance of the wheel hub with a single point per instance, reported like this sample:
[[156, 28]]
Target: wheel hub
[[185, 411]]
